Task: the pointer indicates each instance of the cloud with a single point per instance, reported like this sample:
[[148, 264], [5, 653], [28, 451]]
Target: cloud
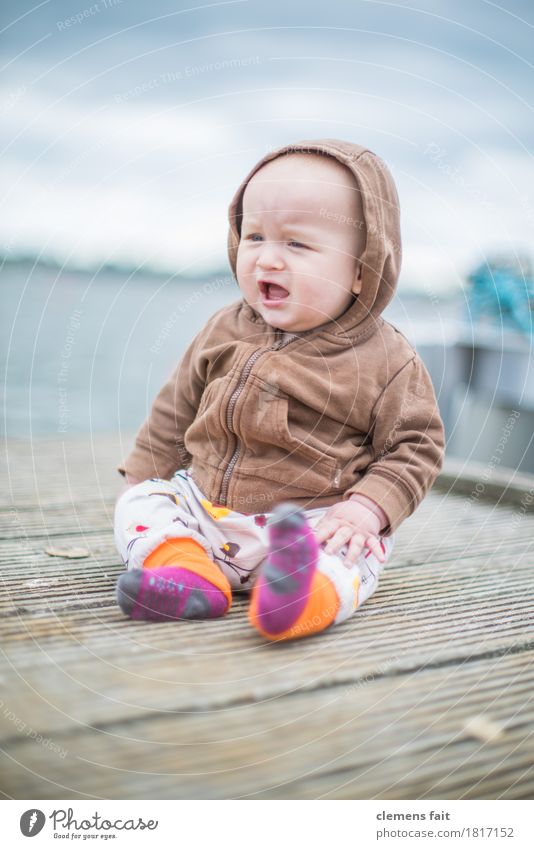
[[122, 155]]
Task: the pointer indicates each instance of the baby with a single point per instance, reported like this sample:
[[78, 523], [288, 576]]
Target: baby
[[300, 428]]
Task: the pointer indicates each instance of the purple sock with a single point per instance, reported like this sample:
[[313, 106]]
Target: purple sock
[[169, 592], [284, 582]]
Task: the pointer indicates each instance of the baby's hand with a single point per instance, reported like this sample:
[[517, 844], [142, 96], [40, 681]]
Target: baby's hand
[[353, 523]]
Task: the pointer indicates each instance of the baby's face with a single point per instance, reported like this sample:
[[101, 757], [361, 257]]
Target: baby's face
[[302, 234]]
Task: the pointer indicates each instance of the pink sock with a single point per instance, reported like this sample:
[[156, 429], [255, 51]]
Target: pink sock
[[169, 592], [285, 579]]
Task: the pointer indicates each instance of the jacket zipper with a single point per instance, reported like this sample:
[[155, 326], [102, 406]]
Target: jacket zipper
[[247, 368]]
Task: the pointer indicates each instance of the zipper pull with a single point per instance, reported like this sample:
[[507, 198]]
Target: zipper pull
[[281, 341]]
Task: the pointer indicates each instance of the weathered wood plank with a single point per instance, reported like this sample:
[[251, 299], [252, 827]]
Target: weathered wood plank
[[384, 738], [374, 707], [197, 664], [487, 483]]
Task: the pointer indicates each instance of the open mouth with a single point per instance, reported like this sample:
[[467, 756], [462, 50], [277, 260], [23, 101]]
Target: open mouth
[[272, 291]]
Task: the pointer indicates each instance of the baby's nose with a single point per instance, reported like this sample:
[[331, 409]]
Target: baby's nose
[[270, 255]]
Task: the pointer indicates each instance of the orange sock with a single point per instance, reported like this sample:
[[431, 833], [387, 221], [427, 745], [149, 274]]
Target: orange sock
[[319, 612], [189, 554]]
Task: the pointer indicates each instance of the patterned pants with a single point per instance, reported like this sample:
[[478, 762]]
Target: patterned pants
[[156, 510]]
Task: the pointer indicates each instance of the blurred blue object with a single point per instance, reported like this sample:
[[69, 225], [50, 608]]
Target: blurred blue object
[[502, 290]]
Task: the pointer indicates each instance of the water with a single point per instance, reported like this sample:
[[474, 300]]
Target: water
[[83, 354]]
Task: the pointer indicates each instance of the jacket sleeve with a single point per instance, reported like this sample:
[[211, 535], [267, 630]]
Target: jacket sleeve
[[159, 449], [408, 440]]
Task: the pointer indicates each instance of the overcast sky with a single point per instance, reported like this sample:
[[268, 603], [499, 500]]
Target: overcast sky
[[126, 126]]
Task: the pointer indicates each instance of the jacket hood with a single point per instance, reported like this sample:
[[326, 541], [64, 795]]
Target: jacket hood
[[381, 260]]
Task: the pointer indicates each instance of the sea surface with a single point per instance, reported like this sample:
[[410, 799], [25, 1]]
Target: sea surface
[[83, 353]]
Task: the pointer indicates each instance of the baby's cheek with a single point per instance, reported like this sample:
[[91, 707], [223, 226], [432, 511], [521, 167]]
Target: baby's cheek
[[243, 263]]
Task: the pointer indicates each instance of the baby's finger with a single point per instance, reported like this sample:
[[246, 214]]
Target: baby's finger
[[355, 549], [341, 536], [326, 528], [374, 547]]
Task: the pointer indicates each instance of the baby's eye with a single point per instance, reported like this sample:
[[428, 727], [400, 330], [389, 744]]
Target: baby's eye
[[253, 237], [295, 244]]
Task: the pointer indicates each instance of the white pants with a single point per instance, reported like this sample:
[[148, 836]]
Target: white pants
[[156, 510]]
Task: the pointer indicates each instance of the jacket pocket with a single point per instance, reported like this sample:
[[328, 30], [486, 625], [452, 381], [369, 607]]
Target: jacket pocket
[[312, 469]]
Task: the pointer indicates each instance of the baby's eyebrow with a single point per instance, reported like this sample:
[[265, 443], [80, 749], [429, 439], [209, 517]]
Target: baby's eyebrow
[[301, 224], [289, 213]]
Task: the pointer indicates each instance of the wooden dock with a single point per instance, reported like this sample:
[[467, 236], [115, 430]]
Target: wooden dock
[[425, 693]]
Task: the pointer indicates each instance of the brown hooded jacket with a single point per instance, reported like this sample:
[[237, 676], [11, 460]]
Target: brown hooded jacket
[[260, 416]]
